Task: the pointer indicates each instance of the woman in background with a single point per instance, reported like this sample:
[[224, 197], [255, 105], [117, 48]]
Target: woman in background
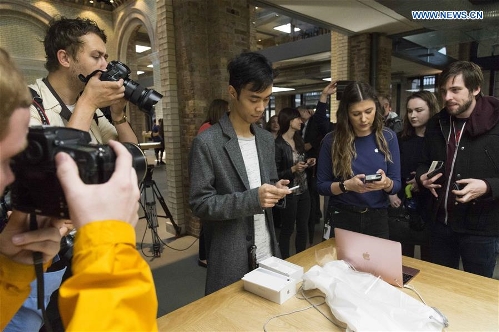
[[157, 136], [291, 165], [359, 146], [420, 107], [217, 108], [273, 126]]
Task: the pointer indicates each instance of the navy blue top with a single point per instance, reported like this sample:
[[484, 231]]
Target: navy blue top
[[369, 159]]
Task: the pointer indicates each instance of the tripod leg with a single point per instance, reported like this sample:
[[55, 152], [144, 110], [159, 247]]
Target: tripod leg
[[161, 200], [149, 206]]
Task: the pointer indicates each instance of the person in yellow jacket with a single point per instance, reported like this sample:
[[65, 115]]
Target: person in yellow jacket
[[112, 286]]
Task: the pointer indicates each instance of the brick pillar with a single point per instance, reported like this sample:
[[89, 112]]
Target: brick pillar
[[383, 67], [339, 65], [361, 55], [174, 154], [282, 101], [205, 35]]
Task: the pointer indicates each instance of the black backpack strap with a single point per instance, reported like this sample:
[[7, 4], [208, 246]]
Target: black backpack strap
[[38, 103]]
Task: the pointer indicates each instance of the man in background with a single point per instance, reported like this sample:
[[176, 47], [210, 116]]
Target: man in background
[[392, 120], [312, 140]]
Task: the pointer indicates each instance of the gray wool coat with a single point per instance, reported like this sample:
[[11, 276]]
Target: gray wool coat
[[220, 196]]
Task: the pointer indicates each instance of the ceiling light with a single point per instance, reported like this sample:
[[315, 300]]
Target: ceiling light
[[327, 79], [140, 48], [277, 89], [150, 66], [91, 1], [286, 28], [140, 72]]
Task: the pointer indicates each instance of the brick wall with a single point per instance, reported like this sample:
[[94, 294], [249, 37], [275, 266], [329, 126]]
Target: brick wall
[[339, 65], [208, 33]]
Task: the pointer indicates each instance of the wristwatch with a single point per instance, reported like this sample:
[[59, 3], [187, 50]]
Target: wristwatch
[[342, 187], [123, 120]]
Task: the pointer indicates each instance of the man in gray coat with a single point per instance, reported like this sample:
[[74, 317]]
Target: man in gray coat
[[234, 178]]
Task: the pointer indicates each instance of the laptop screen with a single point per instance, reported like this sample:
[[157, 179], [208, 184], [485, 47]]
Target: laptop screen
[[371, 254]]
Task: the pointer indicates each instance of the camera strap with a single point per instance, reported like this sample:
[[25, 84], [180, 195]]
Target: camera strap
[[38, 263], [65, 112], [38, 104]]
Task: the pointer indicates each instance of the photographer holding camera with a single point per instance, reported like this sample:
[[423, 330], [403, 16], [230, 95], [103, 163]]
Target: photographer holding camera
[[75, 47], [112, 286], [78, 47]]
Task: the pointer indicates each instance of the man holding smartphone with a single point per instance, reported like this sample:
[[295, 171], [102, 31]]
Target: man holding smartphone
[[234, 178], [464, 137]]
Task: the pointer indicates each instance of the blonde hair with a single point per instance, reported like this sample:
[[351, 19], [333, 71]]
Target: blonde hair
[[14, 92]]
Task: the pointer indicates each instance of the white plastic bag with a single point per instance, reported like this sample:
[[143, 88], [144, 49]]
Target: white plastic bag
[[367, 303]]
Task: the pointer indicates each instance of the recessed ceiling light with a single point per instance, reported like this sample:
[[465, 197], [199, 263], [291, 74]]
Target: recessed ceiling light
[[327, 79], [140, 48], [286, 28], [150, 66], [140, 72], [277, 89]]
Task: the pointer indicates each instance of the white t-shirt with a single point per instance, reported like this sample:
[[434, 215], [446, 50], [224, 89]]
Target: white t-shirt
[[250, 157]]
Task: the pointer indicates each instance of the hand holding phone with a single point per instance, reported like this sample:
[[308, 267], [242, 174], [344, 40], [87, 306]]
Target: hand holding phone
[[372, 178], [435, 168]]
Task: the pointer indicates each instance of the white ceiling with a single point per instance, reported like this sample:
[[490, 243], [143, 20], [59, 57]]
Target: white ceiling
[[392, 17]]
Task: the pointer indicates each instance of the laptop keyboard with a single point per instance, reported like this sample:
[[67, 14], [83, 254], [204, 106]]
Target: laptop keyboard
[[406, 277]]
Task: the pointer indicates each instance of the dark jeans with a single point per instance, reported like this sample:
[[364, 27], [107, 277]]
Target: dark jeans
[[374, 222], [315, 209], [399, 221], [478, 253], [297, 211]]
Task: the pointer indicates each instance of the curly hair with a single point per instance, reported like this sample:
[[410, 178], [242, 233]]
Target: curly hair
[[65, 34]]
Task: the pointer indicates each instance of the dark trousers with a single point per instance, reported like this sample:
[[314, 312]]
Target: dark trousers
[[373, 222], [297, 211], [478, 253], [315, 209]]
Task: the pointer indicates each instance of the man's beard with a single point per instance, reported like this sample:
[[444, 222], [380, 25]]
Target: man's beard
[[75, 83], [463, 108]]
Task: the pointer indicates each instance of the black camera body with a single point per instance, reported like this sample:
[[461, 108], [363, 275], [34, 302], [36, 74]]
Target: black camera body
[[141, 96], [37, 188]]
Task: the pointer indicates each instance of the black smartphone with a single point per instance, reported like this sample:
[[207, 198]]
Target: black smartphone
[[373, 177], [435, 168], [457, 186]]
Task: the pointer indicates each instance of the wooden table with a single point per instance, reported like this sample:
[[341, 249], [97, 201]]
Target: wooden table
[[470, 302]]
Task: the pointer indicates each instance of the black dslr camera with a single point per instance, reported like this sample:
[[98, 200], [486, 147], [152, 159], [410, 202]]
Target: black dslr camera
[[141, 96], [37, 188]]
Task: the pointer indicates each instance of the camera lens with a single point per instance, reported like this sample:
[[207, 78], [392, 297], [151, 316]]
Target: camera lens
[[139, 160], [141, 96]]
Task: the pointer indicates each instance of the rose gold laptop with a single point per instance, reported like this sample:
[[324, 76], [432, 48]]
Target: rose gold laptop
[[374, 255]]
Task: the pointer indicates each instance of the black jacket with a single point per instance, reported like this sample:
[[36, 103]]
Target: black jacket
[[477, 157], [283, 159], [313, 137]]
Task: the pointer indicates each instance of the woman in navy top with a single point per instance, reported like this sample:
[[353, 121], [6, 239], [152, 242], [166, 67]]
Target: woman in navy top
[[359, 146]]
